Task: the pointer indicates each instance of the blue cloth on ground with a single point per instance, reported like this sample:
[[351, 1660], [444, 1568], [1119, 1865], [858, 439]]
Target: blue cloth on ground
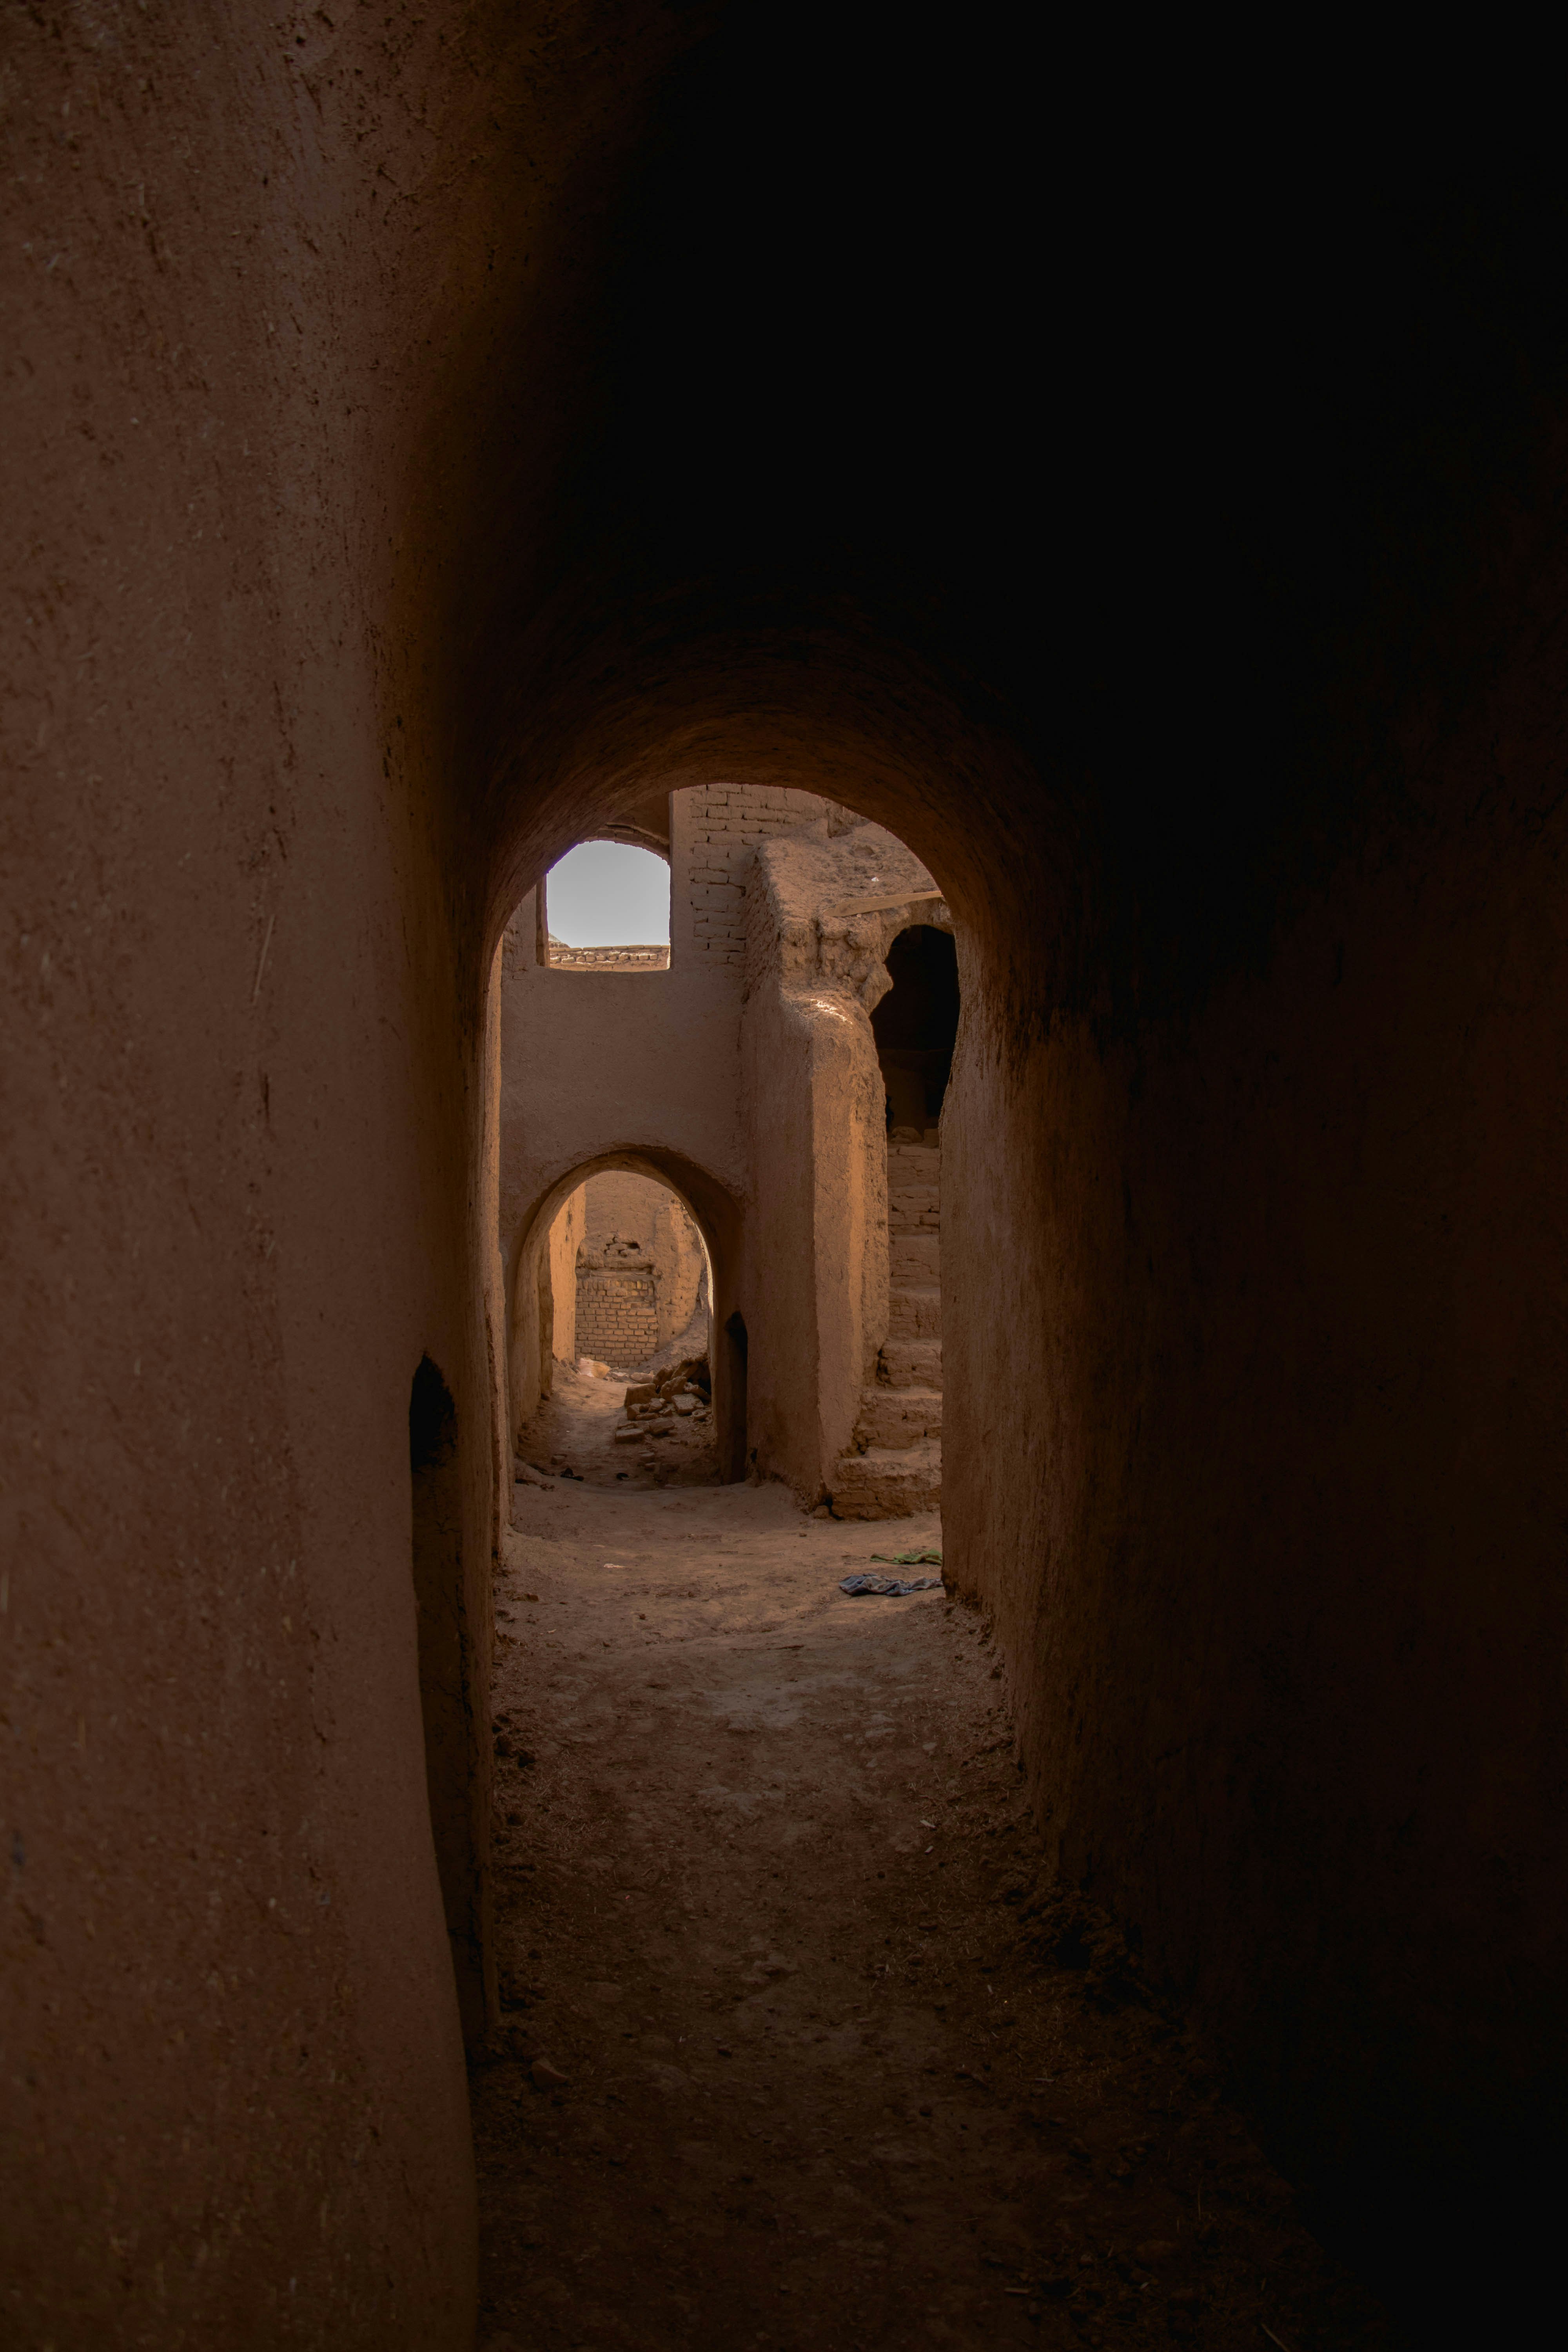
[[892, 1588]]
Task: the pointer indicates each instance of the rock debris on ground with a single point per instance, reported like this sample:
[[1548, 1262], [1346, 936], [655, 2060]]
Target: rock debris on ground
[[572, 1436]]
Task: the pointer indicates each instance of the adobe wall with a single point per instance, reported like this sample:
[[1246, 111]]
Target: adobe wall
[[567, 1233], [818, 1294], [595, 1060], [616, 1203], [682, 1270], [598, 1063], [1264, 1528], [246, 1052]]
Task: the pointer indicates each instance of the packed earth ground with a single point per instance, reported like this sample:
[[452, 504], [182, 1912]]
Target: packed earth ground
[[800, 2049]]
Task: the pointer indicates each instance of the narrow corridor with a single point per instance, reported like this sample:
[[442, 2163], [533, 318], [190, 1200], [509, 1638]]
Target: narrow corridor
[[791, 2056]]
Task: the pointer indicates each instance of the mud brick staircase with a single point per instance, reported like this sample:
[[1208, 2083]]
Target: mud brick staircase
[[895, 1466]]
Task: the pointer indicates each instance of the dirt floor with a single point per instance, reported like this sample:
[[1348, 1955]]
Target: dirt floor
[[838, 2072]]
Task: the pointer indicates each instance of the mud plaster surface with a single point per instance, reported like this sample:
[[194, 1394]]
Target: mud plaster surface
[[764, 1874]]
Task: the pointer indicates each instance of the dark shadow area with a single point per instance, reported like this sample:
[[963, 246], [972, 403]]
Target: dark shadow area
[[916, 1025], [446, 1676], [732, 1461], [1246, 640]]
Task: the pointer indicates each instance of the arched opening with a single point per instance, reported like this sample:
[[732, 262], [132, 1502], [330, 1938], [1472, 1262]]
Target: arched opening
[[604, 906], [626, 1286], [446, 1680], [640, 1249], [915, 1025], [639, 1277]]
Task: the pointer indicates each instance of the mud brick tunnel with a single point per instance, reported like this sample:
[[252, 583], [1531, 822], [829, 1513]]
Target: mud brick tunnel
[[1073, 590]]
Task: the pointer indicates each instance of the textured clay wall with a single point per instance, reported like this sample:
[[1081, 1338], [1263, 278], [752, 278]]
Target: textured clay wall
[[617, 1202], [244, 1048], [567, 1236], [682, 1270], [595, 1065], [598, 1064], [816, 1298], [1289, 1676]]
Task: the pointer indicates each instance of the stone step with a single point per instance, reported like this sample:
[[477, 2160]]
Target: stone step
[[889, 1485], [910, 1364], [914, 1312], [914, 1261], [898, 1417], [913, 1163], [913, 1208]]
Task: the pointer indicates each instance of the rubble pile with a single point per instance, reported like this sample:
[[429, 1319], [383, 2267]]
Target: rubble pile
[[655, 1407]]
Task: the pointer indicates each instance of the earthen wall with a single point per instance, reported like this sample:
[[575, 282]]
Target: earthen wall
[[617, 1202], [248, 979], [817, 1299], [682, 1264], [567, 1233]]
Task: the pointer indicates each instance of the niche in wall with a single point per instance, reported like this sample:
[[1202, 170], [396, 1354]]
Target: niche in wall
[[915, 1025]]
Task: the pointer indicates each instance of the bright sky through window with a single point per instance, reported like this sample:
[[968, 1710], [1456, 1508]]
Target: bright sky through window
[[605, 894]]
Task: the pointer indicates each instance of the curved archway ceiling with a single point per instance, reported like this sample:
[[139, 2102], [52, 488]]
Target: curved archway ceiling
[[918, 454]]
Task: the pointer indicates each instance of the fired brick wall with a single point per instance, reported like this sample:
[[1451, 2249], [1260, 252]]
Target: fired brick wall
[[617, 1316], [723, 825], [639, 1209]]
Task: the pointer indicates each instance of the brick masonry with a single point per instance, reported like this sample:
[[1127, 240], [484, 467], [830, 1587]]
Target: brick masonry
[[725, 823], [617, 1316]]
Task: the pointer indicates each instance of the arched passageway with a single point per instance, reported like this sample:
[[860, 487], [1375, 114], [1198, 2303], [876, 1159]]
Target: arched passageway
[[427, 451], [624, 1294], [698, 1252], [640, 1278]]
